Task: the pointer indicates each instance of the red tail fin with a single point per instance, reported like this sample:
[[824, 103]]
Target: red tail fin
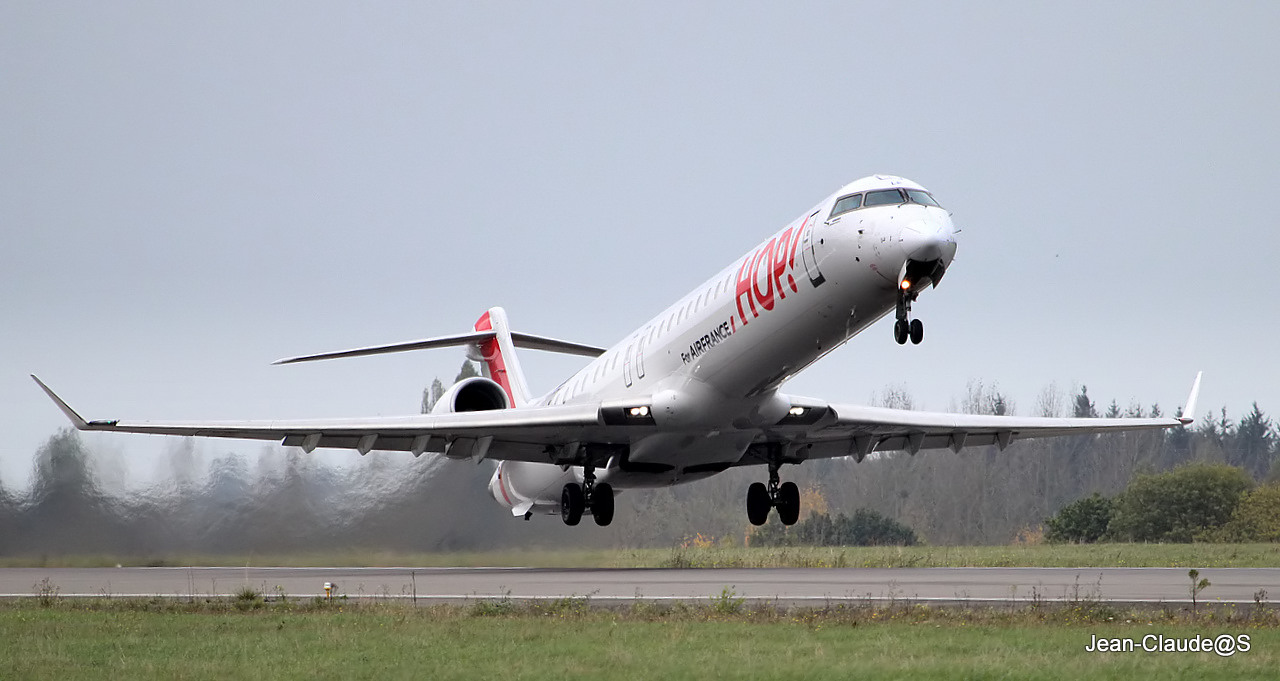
[[497, 356]]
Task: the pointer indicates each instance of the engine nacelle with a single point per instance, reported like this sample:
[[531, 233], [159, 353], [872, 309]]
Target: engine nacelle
[[472, 394]]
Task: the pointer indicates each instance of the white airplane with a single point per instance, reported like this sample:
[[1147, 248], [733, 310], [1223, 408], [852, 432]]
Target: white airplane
[[693, 391]]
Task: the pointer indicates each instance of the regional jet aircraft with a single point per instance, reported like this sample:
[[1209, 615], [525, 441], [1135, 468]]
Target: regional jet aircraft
[[695, 390]]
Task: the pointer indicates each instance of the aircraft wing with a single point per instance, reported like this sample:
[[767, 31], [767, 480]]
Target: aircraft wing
[[816, 430], [819, 430], [517, 434], [857, 431], [812, 430]]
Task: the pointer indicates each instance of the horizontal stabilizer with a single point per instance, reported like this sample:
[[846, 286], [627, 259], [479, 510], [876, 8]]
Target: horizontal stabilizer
[[521, 340], [528, 340]]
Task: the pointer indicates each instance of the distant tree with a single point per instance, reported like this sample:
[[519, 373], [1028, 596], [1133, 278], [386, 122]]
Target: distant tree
[[1083, 407], [1256, 518], [1216, 430], [1177, 442], [1049, 402], [1252, 443], [468, 370], [1000, 405], [1179, 505], [1082, 522], [432, 394], [979, 399], [894, 397]]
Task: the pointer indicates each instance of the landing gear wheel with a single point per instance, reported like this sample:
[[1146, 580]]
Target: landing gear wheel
[[901, 330], [788, 503], [602, 503], [758, 503], [572, 503], [917, 332]]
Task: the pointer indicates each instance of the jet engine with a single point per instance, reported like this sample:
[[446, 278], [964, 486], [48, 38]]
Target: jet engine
[[472, 394]]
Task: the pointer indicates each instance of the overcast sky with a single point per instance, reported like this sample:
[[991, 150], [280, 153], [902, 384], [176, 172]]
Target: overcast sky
[[190, 191]]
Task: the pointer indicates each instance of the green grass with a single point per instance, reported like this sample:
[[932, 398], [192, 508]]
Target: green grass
[[1050, 555], [1045, 555], [238, 638]]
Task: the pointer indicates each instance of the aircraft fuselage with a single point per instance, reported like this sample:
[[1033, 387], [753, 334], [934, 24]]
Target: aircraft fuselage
[[712, 363]]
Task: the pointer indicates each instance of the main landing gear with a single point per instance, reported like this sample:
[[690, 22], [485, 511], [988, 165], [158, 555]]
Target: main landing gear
[[575, 499], [906, 327], [784, 497]]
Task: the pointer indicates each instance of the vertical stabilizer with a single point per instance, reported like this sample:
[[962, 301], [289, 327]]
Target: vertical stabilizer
[[498, 356]]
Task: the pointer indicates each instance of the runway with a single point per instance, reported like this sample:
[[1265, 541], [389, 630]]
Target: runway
[[789, 586]]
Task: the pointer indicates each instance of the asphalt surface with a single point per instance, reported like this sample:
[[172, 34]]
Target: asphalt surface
[[785, 585]]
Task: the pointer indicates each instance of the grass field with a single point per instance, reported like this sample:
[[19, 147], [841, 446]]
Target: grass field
[[1045, 555], [248, 638]]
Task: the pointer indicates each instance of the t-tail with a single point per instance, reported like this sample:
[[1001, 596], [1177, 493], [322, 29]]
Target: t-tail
[[497, 356], [491, 342]]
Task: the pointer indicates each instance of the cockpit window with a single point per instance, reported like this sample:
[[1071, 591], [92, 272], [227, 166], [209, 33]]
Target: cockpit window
[[921, 197], [846, 204], [884, 197]]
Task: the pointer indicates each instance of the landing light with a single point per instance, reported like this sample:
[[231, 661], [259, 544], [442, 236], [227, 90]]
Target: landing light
[[639, 412], [906, 284], [796, 411]]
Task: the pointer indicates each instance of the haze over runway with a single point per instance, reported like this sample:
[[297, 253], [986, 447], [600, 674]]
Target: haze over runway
[[191, 192]]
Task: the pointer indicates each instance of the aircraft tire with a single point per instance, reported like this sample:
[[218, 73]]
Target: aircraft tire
[[758, 503], [602, 503], [571, 504], [900, 331], [917, 331], [788, 503]]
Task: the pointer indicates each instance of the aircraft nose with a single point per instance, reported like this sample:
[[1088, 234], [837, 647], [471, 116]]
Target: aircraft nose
[[930, 239]]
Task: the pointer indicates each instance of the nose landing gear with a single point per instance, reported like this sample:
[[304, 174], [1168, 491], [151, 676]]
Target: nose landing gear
[[905, 327], [785, 497], [575, 499]]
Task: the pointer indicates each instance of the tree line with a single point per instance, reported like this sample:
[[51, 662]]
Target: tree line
[[1193, 502]]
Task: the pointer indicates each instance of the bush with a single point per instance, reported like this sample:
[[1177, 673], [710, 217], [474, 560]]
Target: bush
[[1179, 506], [1257, 517], [1081, 522], [864, 528]]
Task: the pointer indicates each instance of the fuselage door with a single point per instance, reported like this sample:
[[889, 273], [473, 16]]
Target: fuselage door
[[640, 357], [626, 366], [807, 254]]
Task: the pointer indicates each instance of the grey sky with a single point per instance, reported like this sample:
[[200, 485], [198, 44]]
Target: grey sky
[[189, 192]]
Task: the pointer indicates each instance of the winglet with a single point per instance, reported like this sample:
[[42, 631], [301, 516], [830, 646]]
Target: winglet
[[1189, 412], [76, 420]]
